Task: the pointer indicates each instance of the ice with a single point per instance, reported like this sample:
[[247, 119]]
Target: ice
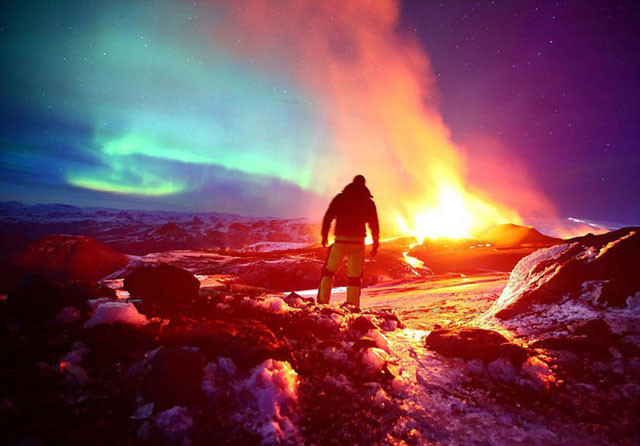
[[274, 388], [110, 312]]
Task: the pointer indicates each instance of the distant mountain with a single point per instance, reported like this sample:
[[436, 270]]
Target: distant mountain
[[141, 232], [514, 235]]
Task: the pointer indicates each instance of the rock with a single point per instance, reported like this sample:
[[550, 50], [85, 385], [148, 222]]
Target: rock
[[75, 374], [295, 300], [71, 257], [595, 328], [601, 269], [362, 324], [67, 316], [171, 233], [472, 343], [82, 291], [364, 343], [391, 319], [173, 426], [581, 345], [245, 342], [501, 369], [288, 274], [373, 360], [175, 378], [37, 298], [162, 287], [111, 343]]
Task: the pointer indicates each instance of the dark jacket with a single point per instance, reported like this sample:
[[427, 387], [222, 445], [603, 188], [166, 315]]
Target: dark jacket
[[352, 208]]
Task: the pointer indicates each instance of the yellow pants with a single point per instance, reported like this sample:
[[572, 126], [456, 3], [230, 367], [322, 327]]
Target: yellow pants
[[343, 246]]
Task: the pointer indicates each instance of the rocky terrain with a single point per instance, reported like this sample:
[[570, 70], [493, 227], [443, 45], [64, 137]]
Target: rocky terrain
[[520, 339]]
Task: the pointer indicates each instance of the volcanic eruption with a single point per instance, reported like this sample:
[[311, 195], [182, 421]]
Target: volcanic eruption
[[374, 88]]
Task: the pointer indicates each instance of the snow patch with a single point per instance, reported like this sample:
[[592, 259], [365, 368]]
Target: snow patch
[[274, 388], [110, 312], [528, 274], [274, 304]]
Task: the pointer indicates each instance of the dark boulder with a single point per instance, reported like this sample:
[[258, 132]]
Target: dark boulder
[[594, 328], [294, 300], [110, 344], [174, 379], [246, 342], [362, 324], [363, 343], [581, 345], [162, 287], [474, 343], [37, 298]]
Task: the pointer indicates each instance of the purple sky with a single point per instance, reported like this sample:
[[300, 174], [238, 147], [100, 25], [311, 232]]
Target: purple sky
[[557, 82]]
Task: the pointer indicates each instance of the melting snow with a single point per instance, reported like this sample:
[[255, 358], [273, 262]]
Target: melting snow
[[274, 388], [110, 312]]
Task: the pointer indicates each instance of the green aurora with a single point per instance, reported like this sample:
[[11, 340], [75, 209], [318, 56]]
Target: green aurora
[[151, 98]]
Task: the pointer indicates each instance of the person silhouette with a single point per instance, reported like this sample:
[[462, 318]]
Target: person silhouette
[[353, 209]]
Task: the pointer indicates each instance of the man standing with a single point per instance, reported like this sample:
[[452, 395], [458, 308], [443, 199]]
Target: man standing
[[352, 209]]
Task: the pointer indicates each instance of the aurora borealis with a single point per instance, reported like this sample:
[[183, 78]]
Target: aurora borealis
[[136, 99], [267, 108]]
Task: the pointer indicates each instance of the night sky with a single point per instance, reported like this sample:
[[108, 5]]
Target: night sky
[[268, 108], [557, 83]]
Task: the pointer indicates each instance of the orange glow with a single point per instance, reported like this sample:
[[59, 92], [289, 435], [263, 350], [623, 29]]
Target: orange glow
[[412, 261], [374, 89], [575, 227], [454, 213]]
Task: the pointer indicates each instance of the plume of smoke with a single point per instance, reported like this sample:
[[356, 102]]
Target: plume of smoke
[[373, 85]]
